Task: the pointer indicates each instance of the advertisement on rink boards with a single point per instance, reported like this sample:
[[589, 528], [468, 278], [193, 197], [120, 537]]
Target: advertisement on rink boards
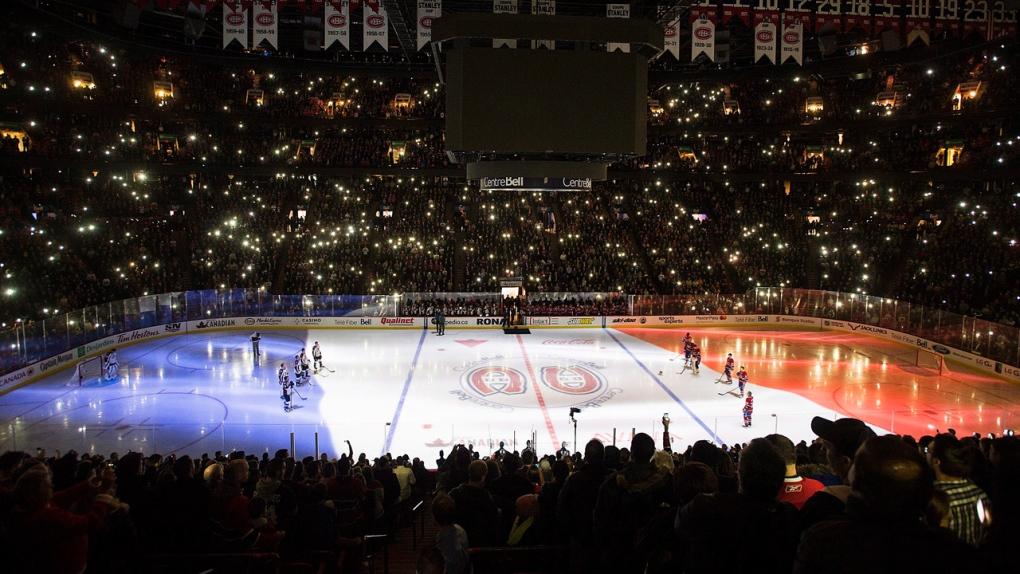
[[573, 322], [69, 358], [962, 357]]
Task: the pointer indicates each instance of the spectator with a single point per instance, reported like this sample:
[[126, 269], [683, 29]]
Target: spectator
[[796, 489], [841, 438], [476, 512], [952, 462], [882, 531], [451, 539], [575, 507], [627, 501], [747, 531]]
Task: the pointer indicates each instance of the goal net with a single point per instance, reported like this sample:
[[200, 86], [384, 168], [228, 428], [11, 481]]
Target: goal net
[[930, 360], [87, 371]]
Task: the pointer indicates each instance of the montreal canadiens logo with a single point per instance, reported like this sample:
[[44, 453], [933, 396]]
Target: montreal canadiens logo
[[670, 31], [791, 37], [492, 380], [703, 33], [375, 21], [765, 36], [337, 20], [425, 21], [235, 19], [561, 383], [265, 19]]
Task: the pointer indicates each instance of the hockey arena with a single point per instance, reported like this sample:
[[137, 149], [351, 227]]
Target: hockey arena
[[409, 390], [509, 286]]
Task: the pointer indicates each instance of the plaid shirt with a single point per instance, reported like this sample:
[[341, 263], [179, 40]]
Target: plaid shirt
[[963, 517]]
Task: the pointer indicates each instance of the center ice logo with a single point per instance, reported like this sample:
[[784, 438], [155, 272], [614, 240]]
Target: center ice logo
[[563, 383]]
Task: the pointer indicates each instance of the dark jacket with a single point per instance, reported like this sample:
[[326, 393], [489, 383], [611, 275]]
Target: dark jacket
[[858, 542], [477, 514], [733, 533], [627, 501]]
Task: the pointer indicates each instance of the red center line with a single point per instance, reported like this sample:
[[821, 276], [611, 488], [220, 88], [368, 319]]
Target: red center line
[[538, 394]]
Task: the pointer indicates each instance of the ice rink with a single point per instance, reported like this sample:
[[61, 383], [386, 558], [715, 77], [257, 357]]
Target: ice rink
[[413, 392]]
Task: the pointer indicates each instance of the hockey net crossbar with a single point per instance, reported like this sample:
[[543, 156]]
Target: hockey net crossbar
[[930, 360]]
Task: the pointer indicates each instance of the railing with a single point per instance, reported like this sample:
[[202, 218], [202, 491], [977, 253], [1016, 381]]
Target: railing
[[28, 342]]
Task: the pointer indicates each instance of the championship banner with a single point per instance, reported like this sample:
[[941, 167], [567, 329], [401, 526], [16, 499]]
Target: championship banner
[[828, 14], [886, 14], [543, 8], [376, 29], [792, 38], [740, 9], [858, 14], [766, 10], [671, 35], [703, 39], [918, 21], [704, 9], [337, 23], [263, 28], [976, 18], [617, 11], [428, 10], [765, 40], [504, 7], [947, 16], [235, 23], [1003, 21]]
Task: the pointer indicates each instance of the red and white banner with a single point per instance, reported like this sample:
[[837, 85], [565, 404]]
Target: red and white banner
[[765, 40], [264, 23], [671, 34], [375, 28], [703, 9], [543, 8], [703, 39], [828, 14], [947, 16], [887, 14], [337, 23], [428, 10], [976, 18], [918, 20], [617, 11], [504, 7], [740, 9], [766, 10], [1003, 21], [235, 23], [792, 39], [858, 14]]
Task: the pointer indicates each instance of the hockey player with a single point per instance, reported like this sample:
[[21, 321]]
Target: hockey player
[[286, 398], [696, 356], [748, 409], [742, 380], [728, 369], [298, 378], [305, 367], [316, 357], [688, 349], [112, 366], [282, 378]]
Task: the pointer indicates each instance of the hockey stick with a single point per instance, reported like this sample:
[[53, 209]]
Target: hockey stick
[[729, 392], [299, 394]]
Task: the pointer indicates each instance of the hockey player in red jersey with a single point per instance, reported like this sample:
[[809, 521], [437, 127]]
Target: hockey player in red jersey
[[748, 409], [728, 369], [742, 380]]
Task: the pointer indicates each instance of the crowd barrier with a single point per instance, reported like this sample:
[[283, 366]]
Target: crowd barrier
[[70, 357]]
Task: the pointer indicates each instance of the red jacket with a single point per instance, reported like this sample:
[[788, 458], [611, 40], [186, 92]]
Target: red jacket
[[54, 540]]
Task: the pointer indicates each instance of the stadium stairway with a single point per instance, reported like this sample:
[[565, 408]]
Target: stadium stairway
[[458, 273], [635, 238]]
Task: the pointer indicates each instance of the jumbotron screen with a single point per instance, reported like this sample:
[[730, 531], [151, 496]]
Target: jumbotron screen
[[538, 101]]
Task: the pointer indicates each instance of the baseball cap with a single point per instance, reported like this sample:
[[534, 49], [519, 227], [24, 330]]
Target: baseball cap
[[847, 435]]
